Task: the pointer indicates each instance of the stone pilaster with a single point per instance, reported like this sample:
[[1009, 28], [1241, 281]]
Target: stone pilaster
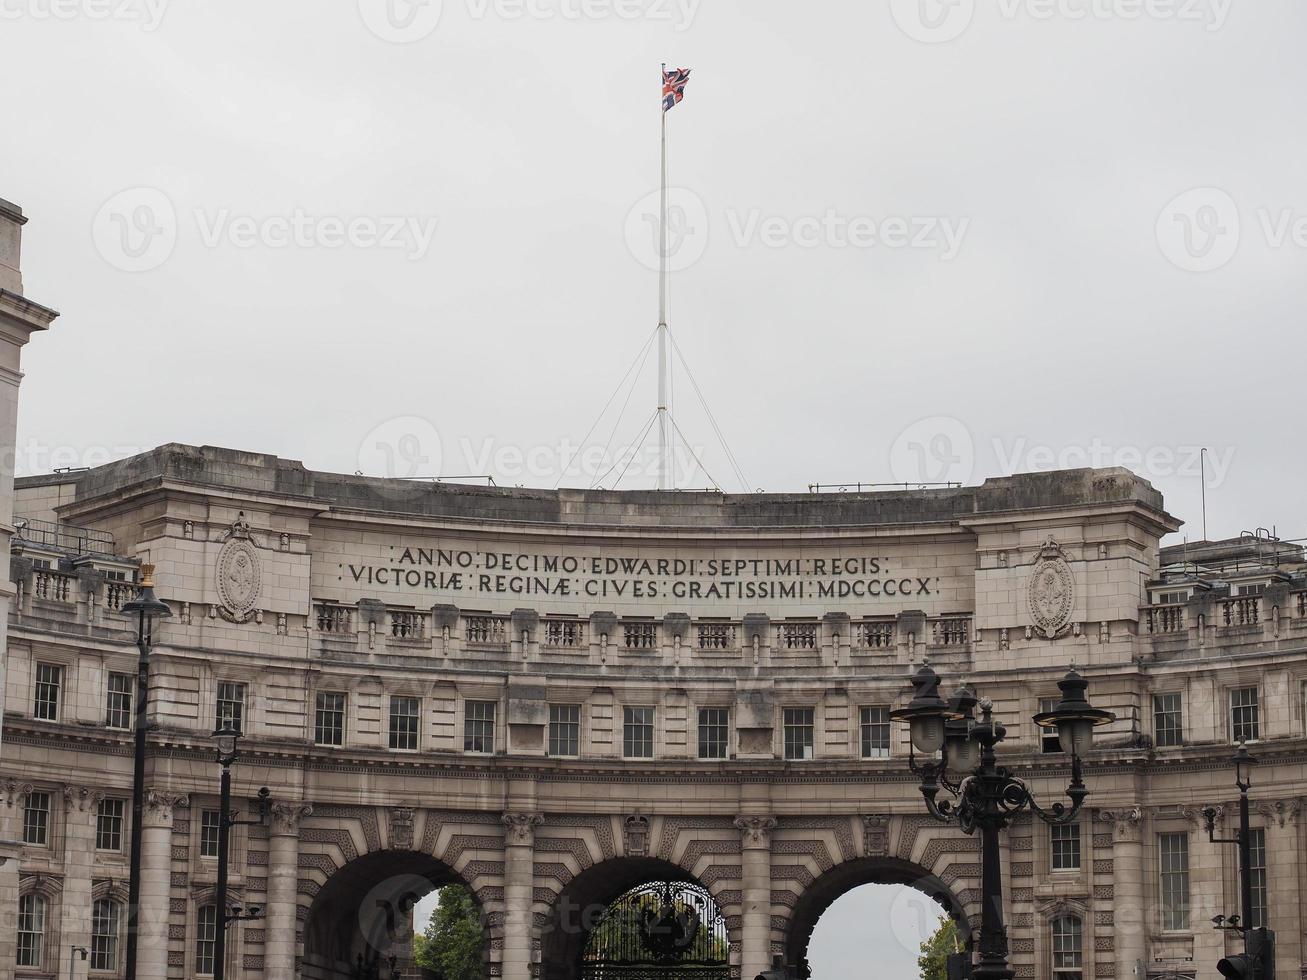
[[80, 808], [1130, 916], [755, 906], [156, 876], [519, 859], [1283, 860], [283, 864], [9, 856]]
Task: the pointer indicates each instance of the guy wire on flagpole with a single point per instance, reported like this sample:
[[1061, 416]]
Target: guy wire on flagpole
[[662, 307]]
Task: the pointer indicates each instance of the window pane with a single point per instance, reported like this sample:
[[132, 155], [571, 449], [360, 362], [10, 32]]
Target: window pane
[[1173, 854], [1068, 947], [1066, 847], [36, 819], [31, 929], [714, 733], [109, 826], [118, 709], [329, 723], [1245, 724], [1257, 852], [209, 831], [875, 733], [638, 733], [1168, 729], [1048, 740], [404, 723], [479, 727], [231, 705], [799, 739], [104, 935], [49, 679], [206, 934], [565, 730]]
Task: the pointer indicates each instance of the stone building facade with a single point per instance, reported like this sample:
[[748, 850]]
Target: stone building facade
[[553, 696]]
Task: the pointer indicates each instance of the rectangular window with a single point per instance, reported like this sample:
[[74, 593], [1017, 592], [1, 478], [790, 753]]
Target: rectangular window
[[404, 713], [565, 731], [1066, 847], [1068, 948], [231, 705], [1173, 857], [49, 679], [479, 727], [638, 733], [31, 929], [109, 825], [1168, 726], [329, 719], [104, 935], [1245, 723], [1257, 852], [1048, 740], [209, 830], [875, 733], [36, 819], [714, 733], [118, 707], [799, 730], [206, 935]]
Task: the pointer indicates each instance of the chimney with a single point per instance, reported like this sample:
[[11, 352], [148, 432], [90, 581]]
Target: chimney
[[11, 238]]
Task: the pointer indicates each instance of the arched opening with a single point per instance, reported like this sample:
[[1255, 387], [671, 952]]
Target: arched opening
[[875, 906], [360, 925], [636, 919]]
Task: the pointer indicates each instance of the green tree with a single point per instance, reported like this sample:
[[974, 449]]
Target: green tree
[[936, 950], [451, 946]]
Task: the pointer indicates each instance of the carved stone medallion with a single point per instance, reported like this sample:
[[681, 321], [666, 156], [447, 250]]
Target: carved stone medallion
[[239, 575], [1052, 591]]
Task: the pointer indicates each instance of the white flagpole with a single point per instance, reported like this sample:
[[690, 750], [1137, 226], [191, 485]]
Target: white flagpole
[[662, 309]]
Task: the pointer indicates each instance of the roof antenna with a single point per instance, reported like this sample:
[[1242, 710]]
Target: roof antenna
[[1202, 463]]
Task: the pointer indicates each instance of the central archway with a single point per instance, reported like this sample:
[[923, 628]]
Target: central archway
[[636, 919], [361, 921], [846, 877]]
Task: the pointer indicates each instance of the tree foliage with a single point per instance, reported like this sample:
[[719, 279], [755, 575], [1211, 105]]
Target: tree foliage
[[936, 950], [451, 947]]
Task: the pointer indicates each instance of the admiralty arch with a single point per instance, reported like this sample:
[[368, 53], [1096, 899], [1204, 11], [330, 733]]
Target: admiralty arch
[[556, 697]]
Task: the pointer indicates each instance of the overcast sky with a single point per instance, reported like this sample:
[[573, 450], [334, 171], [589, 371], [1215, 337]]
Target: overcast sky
[[911, 241]]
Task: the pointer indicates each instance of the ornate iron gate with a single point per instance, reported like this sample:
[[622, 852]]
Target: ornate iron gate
[[669, 930]]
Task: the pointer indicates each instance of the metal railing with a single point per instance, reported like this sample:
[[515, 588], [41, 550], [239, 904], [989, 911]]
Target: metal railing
[[64, 537]]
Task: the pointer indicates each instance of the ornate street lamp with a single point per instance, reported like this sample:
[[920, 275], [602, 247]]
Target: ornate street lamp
[[148, 610], [226, 738], [987, 796], [1258, 959]]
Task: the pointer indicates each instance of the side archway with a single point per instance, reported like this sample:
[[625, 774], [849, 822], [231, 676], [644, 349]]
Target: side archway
[[363, 914], [844, 878]]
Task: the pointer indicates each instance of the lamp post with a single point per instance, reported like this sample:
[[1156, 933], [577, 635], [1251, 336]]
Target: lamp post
[[988, 796], [226, 738], [147, 609], [1257, 961]]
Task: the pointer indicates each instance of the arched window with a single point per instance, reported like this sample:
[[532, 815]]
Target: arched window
[[31, 930], [206, 937], [1068, 948], [104, 935]]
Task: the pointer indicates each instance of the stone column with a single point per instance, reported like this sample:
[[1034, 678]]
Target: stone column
[[156, 877], [1282, 872], [283, 874], [81, 805], [9, 854], [1130, 916], [755, 906], [519, 858]]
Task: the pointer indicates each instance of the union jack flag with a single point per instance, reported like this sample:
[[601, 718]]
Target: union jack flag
[[674, 83]]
